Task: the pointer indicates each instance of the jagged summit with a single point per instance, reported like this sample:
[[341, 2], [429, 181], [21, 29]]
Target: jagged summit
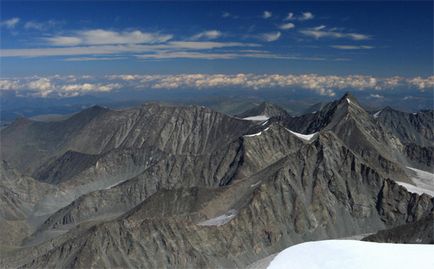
[[350, 96]]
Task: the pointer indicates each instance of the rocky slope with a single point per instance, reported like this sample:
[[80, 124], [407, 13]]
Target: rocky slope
[[98, 130], [18, 196], [322, 190], [182, 186], [419, 232]]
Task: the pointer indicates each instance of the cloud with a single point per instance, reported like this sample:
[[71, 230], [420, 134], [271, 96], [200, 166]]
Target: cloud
[[10, 23], [211, 34], [42, 86], [188, 55], [351, 47], [7, 85], [40, 26], [64, 41], [377, 96], [321, 84], [86, 59], [229, 15], [321, 32], [105, 37], [422, 83], [120, 49], [306, 16], [286, 26], [290, 16], [89, 87], [267, 14], [270, 37], [221, 55]]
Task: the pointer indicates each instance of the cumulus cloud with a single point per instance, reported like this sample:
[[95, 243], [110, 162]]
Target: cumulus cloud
[[211, 34], [306, 16], [8, 84], [352, 47], [104, 37], [322, 32], [324, 85], [422, 83], [89, 87], [42, 86], [10, 23], [267, 14], [270, 37], [286, 26], [320, 84]]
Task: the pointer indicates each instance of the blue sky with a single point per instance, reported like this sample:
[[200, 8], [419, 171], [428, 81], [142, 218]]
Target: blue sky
[[372, 39]]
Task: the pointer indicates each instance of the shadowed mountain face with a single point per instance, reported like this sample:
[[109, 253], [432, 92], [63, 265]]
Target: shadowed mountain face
[[170, 186]]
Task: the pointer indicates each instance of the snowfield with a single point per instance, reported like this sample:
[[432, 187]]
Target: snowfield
[[220, 220], [303, 136], [423, 182], [377, 114], [257, 118], [351, 254], [259, 133]]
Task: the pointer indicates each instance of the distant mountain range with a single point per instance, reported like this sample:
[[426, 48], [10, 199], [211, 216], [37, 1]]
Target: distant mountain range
[[185, 186]]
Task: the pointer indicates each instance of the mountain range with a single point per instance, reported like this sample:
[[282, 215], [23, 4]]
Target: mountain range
[[165, 186]]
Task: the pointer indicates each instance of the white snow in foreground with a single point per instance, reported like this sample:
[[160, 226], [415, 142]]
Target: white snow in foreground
[[352, 254], [303, 136], [377, 114], [423, 182], [257, 118], [251, 135], [220, 220]]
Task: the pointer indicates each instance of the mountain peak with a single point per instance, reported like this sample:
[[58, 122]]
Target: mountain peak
[[348, 97], [266, 109]]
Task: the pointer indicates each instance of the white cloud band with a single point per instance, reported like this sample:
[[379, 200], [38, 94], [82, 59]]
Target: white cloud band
[[323, 85]]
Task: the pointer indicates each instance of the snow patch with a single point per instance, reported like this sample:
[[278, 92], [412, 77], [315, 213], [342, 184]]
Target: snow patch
[[114, 185], [348, 101], [423, 182], [343, 254], [303, 136], [220, 220], [251, 135], [257, 118], [377, 114]]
